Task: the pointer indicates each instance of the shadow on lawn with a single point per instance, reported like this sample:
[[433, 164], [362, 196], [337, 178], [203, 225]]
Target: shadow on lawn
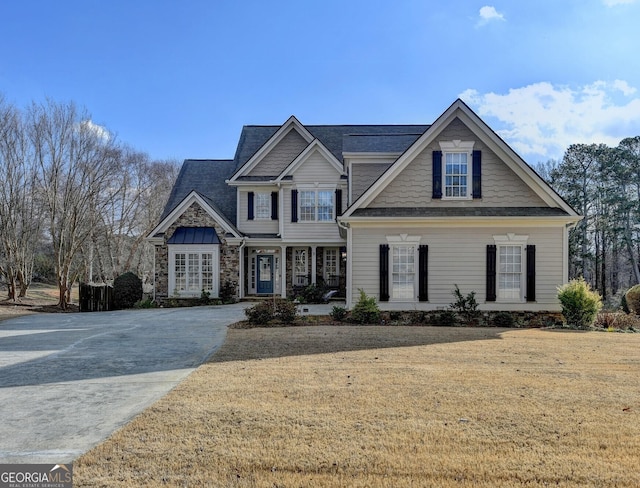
[[264, 343]]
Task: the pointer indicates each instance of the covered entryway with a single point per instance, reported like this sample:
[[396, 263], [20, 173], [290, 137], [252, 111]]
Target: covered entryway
[[265, 274]]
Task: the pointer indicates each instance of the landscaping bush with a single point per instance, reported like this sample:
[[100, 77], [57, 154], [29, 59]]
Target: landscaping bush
[[503, 319], [311, 294], [632, 299], [446, 319], [580, 304], [227, 292], [285, 310], [466, 307], [616, 321], [338, 313], [366, 311], [261, 313], [127, 290]]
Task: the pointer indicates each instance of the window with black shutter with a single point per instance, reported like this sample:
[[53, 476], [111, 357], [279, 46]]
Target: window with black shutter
[[250, 198], [384, 272], [491, 273], [423, 273], [437, 174]]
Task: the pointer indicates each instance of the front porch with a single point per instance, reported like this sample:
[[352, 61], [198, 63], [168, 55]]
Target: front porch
[[286, 270]]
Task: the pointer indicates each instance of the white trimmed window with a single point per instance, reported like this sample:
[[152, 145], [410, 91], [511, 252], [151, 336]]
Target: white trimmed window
[[456, 174], [192, 270], [263, 205], [300, 267], [403, 272], [510, 267], [331, 266], [317, 205]]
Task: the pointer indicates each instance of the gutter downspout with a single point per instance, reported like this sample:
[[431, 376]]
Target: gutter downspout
[[349, 295]]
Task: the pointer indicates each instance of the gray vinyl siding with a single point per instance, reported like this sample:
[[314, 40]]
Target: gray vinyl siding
[[501, 187], [364, 174], [316, 169], [255, 226], [458, 256], [273, 163]]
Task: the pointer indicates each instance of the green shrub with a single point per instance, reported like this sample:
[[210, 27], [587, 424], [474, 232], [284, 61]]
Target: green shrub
[[261, 313], [623, 304], [127, 290], [285, 310], [312, 293], [580, 304], [228, 292], [366, 311], [147, 303], [338, 313], [446, 319], [503, 319], [467, 306], [632, 299]]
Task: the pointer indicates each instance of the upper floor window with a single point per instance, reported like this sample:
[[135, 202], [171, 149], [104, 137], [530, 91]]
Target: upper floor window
[[457, 168], [263, 205], [316, 205]]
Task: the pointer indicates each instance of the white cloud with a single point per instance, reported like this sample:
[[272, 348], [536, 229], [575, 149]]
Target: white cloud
[[541, 120], [613, 3], [100, 131], [488, 14]]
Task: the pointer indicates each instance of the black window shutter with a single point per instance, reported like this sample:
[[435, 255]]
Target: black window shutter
[[491, 273], [384, 272], [274, 205], [423, 273], [294, 205], [477, 174], [531, 273], [250, 205], [437, 174], [338, 202]]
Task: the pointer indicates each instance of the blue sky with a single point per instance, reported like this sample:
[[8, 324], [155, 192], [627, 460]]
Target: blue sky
[[178, 79]]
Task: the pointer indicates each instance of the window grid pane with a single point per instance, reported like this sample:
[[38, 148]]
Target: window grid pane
[[193, 272], [181, 272], [456, 169], [403, 272], [207, 271], [263, 205], [510, 272], [300, 267], [307, 206], [325, 206]]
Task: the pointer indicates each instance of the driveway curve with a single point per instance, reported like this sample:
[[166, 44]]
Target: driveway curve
[[68, 381]]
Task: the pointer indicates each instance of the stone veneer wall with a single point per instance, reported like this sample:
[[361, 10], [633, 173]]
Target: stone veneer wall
[[196, 216]]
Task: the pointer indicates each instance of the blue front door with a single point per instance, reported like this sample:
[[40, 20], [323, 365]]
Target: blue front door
[[265, 274]]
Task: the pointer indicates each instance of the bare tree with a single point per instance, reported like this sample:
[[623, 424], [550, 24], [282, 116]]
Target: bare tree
[[20, 210], [76, 163]]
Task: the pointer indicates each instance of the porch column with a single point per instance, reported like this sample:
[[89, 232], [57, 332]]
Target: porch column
[[313, 265], [283, 269]]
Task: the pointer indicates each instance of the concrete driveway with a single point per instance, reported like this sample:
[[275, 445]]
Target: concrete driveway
[[68, 381]]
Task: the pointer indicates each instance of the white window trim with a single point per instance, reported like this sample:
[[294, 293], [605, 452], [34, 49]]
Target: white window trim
[[511, 239], [457, 146], [404, 240], [324, 262], [317, 188], [255, 206], [174, 249]]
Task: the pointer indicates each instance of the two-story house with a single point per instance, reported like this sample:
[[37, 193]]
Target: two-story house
[[403, 212]]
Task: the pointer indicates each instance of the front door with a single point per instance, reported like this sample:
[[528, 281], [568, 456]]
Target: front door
[[265, 274]]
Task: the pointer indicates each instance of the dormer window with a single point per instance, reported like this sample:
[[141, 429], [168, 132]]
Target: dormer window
[[456, 174]]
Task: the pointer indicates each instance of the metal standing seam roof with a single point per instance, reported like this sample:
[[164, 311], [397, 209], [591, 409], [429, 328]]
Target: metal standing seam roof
[[194, 235]]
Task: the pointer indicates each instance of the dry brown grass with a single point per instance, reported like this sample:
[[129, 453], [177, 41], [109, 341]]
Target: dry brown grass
[[390, 406]]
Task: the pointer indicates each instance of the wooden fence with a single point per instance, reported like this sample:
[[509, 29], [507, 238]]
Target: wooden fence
[[95, 298]]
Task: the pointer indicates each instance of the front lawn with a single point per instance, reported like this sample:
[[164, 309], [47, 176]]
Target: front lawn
[[390, 406]]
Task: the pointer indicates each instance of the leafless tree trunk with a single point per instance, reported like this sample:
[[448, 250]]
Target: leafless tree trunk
[[75, 166]]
